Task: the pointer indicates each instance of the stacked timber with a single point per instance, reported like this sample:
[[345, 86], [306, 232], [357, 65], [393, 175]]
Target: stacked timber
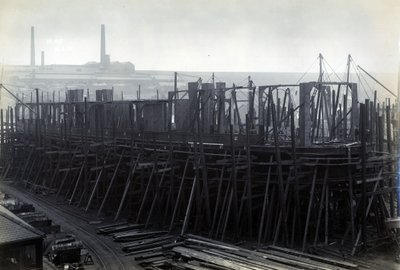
[[204, 253], [40, 221], [159, 250], [118, 227]]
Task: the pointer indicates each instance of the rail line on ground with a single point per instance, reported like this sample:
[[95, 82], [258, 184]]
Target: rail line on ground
[[91, 240]]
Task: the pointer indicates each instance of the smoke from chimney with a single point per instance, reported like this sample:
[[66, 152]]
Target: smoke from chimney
[[42, 59]]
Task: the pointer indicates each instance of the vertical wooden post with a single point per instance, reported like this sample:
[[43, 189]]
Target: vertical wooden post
[[389, 149], [354, 111], [363, 174], [304, 113], [280, 178], [346, 98], [249, 178], [221, 107], [37, 117], [2, 137], [261, 114]]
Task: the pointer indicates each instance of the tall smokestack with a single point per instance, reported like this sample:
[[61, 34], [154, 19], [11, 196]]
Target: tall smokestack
[[103, 45], [32, 46], [42, 59]]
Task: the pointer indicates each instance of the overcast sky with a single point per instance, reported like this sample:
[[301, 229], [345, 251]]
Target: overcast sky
[[205, 35]]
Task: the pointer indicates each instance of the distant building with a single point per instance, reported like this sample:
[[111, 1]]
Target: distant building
[[92, 75]]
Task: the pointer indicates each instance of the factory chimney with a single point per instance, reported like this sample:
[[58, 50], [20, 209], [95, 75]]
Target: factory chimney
[[103, 46], [32, 46], [42, 59]]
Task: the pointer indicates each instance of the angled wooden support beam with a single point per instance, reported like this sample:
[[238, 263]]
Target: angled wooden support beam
[[103, 168], [132, 170], [78, 180], [178, 198], [111, 183]]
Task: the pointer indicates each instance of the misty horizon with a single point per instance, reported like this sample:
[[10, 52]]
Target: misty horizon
[[256, 36]]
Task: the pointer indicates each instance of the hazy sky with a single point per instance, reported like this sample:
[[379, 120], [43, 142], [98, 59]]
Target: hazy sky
[[219, 35]]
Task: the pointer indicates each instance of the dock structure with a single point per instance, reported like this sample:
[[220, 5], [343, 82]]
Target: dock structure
[[301, 165]]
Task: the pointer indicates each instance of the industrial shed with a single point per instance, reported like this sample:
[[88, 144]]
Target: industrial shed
[[21, 245]]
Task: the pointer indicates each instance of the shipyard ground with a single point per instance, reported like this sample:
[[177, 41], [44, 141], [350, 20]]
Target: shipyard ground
[[108, 255]]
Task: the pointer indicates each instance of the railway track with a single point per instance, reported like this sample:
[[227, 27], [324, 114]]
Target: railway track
[[104, 254], [100, 241]]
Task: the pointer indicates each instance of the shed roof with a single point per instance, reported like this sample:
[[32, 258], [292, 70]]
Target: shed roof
[[13, 229]]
